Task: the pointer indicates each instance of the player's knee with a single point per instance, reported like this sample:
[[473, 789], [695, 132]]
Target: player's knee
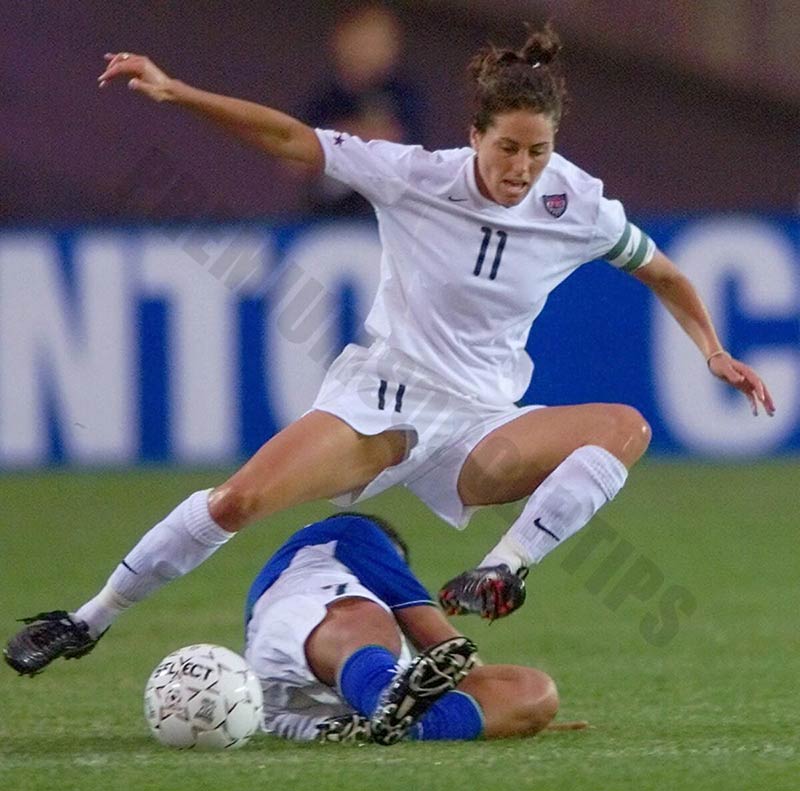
[[540, 700], [628, 431], [548, 704], [638, 430], [232, 506]]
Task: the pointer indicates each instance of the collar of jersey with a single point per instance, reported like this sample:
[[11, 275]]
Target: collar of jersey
[[483, 203]]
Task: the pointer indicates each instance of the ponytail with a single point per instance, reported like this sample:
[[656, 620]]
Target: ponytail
[[513, 79]]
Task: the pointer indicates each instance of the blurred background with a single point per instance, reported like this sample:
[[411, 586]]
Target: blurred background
[[679, 106], [170, 298], [167, 295]]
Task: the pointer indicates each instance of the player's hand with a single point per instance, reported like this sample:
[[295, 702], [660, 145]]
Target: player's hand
[[743, 378], [142, 74], [573, 725]]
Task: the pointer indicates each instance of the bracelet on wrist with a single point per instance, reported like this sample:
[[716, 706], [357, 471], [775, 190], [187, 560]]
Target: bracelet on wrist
[[713, 355]]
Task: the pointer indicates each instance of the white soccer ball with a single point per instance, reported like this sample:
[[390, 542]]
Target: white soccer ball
[[204, 697]]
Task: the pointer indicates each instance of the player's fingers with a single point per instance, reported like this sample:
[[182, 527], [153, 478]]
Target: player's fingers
[[727, 370], [114, 58], [735, 376], [753, 387], [112, 70], [574, 725], [753, 401], [119, 68], [763, 397], [747, 374], [756, 392], [136, 84], [769, 404], [748, 385], [760, 389]]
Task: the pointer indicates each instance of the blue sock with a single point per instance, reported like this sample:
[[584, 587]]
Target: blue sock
[[364, 675], [455, 716]]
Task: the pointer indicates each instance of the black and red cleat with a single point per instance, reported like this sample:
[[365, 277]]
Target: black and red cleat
[[490, 591]]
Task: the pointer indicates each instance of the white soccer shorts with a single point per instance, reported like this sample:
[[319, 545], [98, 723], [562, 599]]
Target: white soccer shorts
[[379, 389], [295, 700]]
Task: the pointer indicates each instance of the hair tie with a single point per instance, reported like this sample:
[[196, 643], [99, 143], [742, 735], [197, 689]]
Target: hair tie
[[536, 65]]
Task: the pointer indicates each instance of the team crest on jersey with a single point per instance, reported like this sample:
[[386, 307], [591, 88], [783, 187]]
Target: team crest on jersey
[[555, 204]]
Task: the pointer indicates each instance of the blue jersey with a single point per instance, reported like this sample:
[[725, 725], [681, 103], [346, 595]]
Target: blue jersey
[[361, 546]]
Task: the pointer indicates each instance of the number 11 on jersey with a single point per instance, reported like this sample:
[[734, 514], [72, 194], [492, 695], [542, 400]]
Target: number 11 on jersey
[[501, 245]]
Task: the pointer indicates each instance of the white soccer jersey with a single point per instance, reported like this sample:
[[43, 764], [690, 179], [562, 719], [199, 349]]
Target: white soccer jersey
[[463, 278]]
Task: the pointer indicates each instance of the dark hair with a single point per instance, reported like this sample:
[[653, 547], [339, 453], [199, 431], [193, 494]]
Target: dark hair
[[390, 531], [528, 78]]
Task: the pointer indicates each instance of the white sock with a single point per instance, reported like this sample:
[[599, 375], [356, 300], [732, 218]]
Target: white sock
[[565, 501], [176, 545]]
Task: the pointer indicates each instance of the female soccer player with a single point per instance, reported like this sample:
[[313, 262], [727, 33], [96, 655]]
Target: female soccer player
[[474, 240]]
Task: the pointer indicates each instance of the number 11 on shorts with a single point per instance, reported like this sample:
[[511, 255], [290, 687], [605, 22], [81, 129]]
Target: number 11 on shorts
[[398, 398]]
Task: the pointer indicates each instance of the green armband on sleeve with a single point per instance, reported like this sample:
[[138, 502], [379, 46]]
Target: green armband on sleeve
[[634, 249]]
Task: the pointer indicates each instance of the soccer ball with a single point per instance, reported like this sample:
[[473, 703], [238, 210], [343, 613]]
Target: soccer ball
[[204, 697]]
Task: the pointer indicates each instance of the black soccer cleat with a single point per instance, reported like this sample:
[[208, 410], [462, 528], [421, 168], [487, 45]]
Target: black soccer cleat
[[345, 729], [491, 592], [414, 690], [47, 636]]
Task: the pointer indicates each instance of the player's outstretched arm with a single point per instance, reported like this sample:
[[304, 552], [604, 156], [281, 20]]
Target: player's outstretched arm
[[679, 296], [270, 130]]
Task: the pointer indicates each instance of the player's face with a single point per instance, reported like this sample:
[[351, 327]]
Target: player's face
[[512, 153]]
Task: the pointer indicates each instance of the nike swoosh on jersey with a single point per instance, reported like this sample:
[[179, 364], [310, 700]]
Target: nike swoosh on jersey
[[456, 200]]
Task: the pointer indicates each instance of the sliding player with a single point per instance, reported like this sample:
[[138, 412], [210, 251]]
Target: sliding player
[[327, 621]]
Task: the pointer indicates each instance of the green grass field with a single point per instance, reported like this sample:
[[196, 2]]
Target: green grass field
[[701, 701]]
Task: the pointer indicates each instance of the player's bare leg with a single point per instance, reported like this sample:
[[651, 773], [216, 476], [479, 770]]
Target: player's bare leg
[[512, 461], [317, 456], [350, 624], [572, 460], [516, 700]]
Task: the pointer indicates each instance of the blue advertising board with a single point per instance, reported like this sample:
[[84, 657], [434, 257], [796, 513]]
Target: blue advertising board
[[195, 344]]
